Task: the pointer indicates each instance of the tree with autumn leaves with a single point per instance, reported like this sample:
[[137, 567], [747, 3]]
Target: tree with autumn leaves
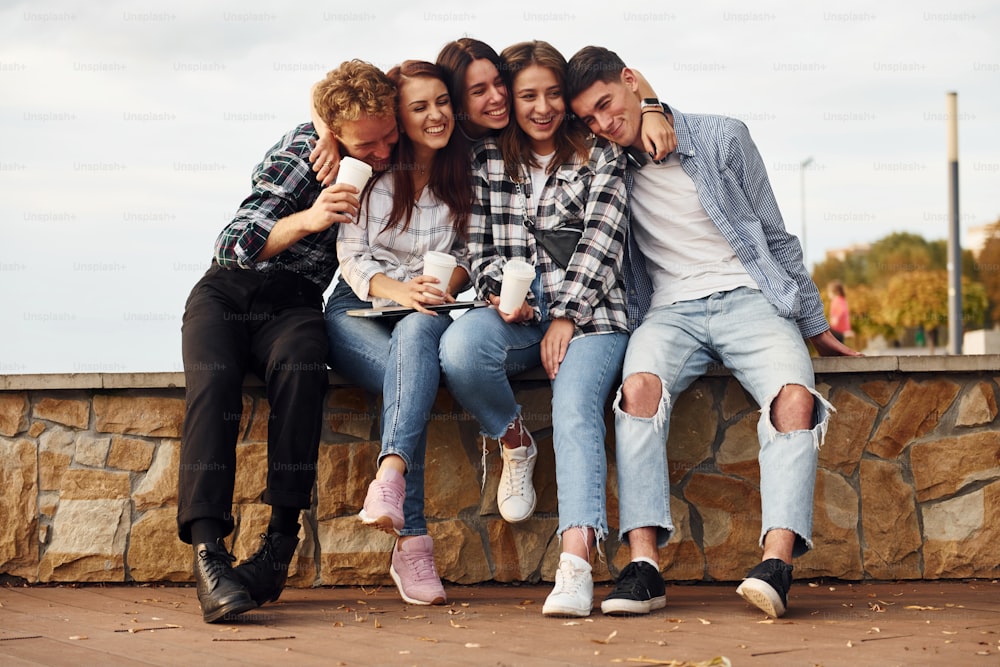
[[901, 284]]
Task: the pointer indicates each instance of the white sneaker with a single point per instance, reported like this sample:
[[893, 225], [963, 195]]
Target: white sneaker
[[516, 493], [573, 594]]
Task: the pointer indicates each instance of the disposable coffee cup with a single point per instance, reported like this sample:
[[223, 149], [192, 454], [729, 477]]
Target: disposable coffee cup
[[517, 277], [355, 172], [440, 265]]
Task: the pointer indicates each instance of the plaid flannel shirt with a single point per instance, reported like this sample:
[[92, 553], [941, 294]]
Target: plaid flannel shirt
[[590, 290], [726, 167], [368, 247], [283, 184]]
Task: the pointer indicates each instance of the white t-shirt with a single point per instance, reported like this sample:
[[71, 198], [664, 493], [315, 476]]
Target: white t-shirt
[[686, 255], [538, 179]]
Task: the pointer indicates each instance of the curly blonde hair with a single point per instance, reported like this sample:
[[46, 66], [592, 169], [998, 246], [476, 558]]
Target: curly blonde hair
[[354, 90]]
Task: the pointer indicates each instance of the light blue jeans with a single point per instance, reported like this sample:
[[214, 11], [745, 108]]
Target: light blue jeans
[[480, 351], [765, 352], [399, 359]]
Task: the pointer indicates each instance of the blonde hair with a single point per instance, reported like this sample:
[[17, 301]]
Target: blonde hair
[[353, 91]]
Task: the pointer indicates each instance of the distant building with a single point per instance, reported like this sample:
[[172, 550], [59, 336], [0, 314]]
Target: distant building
[[840, 254], [975, 238]]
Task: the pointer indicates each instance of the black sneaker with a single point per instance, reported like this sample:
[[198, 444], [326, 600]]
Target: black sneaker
[[639, 590], [766, 586], [264, 574], [220, 592]]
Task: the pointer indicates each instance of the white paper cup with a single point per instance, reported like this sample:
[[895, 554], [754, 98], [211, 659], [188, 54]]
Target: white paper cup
[[355, 172], [517, 277], [439, 265]]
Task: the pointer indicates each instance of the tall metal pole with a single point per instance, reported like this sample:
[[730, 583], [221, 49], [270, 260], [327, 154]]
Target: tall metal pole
[[954, 241], [802, 196]]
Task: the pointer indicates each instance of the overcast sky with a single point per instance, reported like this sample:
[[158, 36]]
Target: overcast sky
[[129, 129]]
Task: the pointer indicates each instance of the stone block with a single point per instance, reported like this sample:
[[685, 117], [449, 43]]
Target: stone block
[[978, 406], [152, 416], [18, 508], [915, 413], [880, 391], [947, 465], [682, 558], [36, 429], [13, 413], [343, 473], [85, 484], [155, 553], [69, 412], [351, 553], [88, 542], [836, 544], [251, 472], [739, 449], [459, 553], [518, 548], [850, 428], [258, 422], [730, 515], [962, 535], [693, 425], [889, 520], [158, 487], [91, 450], [451, 479], [56, 447], [130, 454], [736, 400]]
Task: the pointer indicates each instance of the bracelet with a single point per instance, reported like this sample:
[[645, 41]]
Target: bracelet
[[656, 110]]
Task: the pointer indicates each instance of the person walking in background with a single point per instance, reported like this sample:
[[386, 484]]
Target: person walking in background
[[840, 314], [723, 282], [421, 205], [259, 308]]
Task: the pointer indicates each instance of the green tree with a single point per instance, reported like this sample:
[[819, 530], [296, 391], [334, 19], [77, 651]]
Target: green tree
[[989, 270], [920, 299]]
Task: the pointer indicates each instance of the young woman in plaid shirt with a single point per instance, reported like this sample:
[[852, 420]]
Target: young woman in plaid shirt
[[543, 170]]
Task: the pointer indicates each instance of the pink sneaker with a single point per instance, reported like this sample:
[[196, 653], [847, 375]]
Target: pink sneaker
[[414, 573], [384, 503]]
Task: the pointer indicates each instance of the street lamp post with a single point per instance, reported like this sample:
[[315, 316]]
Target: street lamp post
[[802, 196]]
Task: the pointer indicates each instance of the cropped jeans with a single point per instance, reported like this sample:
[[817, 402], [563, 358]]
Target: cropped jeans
[[399, 359], [479, 352], [765, 352]]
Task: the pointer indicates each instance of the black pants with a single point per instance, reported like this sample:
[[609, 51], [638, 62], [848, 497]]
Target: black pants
[[271, 324]]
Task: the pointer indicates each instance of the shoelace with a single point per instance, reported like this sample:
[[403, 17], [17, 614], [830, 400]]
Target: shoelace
[[518, 476], [630, 579], [422, 565], [566, 581], [216, 563], [257, 560], [388, 493]]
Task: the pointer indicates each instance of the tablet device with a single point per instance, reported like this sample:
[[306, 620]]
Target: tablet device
[[398, 311]]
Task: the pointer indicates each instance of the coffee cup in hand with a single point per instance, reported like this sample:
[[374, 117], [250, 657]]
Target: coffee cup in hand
[[354, 172], [439, 265], [517, 278]]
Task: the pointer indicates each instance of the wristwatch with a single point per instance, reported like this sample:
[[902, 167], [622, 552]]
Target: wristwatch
[[650, 104]]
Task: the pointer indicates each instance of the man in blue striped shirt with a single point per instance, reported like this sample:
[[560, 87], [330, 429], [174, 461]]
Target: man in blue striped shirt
[[722, 282]]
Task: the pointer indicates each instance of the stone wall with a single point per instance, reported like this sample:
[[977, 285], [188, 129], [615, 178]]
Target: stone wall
[[908, 486]]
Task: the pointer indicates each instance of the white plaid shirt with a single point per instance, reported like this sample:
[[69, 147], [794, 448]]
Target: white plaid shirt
[[366, 248], [590, 291]]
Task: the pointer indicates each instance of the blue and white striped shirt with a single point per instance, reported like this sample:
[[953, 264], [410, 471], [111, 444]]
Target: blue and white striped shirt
[[728, 172]]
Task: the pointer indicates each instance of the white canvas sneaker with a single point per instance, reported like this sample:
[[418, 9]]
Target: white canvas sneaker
[[573, 594], [516, 494]]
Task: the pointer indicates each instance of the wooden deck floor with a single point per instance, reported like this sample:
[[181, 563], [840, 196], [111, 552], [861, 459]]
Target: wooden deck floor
[[837, 623]]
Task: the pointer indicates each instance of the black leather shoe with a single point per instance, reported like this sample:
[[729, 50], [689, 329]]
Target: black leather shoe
[[220, 592], [264, 574]]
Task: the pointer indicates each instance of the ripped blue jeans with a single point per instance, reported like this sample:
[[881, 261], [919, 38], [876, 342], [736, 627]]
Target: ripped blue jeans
[[764, 351]]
